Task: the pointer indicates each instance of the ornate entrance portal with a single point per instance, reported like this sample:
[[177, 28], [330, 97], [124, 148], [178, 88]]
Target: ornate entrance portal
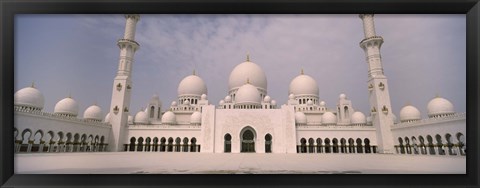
[[248, 141]]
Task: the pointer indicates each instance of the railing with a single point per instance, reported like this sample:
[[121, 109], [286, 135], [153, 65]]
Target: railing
[[456, 116]]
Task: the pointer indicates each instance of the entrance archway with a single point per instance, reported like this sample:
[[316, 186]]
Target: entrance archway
[[247, 136]]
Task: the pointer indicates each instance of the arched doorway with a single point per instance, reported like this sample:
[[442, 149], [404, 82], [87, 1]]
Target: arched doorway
[[248, 140]]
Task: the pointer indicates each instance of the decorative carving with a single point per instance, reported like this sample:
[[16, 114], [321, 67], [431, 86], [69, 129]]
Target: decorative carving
[[119, 86], [370, 87], [129, 87], [381, 85], [374, 110], [385, 109], [125, 109], [115, 109]]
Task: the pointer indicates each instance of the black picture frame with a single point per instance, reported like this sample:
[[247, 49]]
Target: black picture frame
[[9, 8]]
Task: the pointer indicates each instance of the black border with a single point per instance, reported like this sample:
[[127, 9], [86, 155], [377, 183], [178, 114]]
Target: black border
[[9, 8]]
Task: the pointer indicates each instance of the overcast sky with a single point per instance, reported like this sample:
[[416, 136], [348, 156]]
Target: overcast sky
[[423, 55]]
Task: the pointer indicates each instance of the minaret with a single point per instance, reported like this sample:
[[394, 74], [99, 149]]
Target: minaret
[[122, 85], [377, 85]]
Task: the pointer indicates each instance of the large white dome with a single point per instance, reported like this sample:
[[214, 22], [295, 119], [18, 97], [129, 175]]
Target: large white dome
[[303, 85], [107, 118], [408, 113], [439, 106], [169, 118], [29, 97], [248, 94], [300, 118], [66, 106], [196, 118], [93, 112], [192, 85], [141, 118], [244, 71], [358, 118], [329, 118]]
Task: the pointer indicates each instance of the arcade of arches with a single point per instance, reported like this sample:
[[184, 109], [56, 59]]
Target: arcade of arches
[[335, 146], [432, 145], [162, 145]]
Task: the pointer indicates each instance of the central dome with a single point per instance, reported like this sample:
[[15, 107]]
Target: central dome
[[244, 71], [303, 85], [248, 94], [192, 85]]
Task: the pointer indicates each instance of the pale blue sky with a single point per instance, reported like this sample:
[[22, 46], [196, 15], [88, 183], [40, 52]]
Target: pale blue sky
[[423, 55]]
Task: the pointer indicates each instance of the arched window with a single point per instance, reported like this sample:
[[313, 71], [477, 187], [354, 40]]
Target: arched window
[[335, 145], [359, 146], [162, 144], [311, 145], [228, 143], [132, 144], [185, 144], [461, 144], [402, 148], [170, 144], [345, 112], [351, 145], [159, 113], [319, 145], [343, 145], [303, 145], [441, 150], [407, 146], [367, 145], [147, 144], [152, 111], [431, 149], [268, 143], [423, 148], [37, 139], [140, 144], [448, 138], [155, 144], [248, 140], [327, 145], [177, 144], [193, 146]]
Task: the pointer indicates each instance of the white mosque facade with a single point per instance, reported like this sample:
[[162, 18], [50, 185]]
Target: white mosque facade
[[246, 120]]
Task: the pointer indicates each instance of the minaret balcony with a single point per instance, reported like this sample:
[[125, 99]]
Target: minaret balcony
[[375, 40], [125, 42]]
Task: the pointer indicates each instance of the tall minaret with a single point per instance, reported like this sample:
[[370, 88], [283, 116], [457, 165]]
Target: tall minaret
[[380, 107], [122, 85]]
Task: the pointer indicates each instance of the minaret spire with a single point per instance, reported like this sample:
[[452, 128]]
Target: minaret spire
[[122, 84], [379, 96]]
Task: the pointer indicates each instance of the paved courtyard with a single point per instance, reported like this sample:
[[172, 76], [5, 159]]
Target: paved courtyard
[[206, 163]]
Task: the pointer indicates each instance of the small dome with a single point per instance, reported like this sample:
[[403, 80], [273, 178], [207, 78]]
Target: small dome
[[244, 71], [291, 96], [141, 118], [439, 106], [204, 96], [303, 85], [186, 102], [29, 97], [130, 119], [267, 99], [273, 102], [192, 85], [309, 102], [174, 103], [221, 102], [248, 94], [322, 103], [196, 118], [409, 113], [67, 106], [93, 113], [358, 118], [342, 96], [107, 118], [300, 118], [228, 98], [329, 118], [169, 118]]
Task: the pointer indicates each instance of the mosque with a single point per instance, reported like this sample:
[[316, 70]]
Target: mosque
[[246, 120]]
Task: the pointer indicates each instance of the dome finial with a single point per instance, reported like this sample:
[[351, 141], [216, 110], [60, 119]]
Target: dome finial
[[248, 80], [69, 94], [33, 84], [437, 95], [248, 57], [193, 72], [301, 72]]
